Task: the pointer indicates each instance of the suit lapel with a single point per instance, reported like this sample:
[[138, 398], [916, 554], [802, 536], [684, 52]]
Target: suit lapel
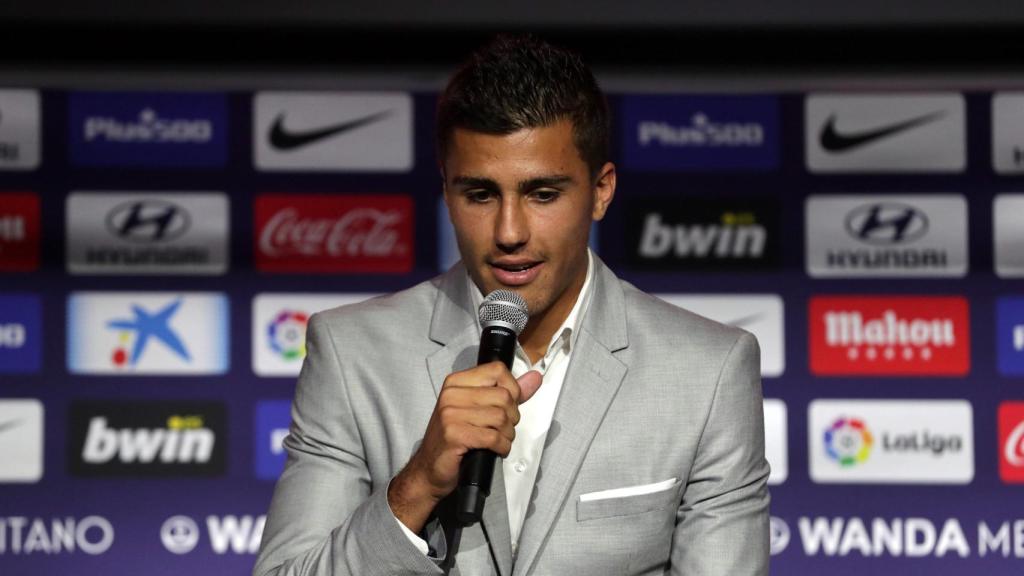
[[454, 326], [591, 382], [495, 521]]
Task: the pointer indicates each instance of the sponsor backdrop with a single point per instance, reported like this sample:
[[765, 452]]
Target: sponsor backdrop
[[162, 252]]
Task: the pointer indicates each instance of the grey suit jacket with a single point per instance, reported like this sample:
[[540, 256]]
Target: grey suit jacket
[[652, 393]]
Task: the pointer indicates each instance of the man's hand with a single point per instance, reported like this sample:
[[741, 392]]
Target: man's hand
[[477, 408]]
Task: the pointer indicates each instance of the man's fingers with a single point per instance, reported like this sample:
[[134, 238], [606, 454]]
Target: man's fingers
[[481, 417], [481, 376], [468, 437], [529, 383]]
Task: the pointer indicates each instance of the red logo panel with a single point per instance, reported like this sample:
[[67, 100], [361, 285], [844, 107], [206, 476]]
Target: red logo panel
[[334, 233], [19, 232], [889, 336], [1011, 442]]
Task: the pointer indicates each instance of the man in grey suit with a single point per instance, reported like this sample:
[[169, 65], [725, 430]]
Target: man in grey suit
[[630, 431]]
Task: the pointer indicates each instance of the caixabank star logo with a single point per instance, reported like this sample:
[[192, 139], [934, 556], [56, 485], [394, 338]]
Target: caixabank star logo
[[147, 333]]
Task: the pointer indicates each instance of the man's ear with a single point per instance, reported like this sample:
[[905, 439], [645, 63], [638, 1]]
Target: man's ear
[[604, 190]]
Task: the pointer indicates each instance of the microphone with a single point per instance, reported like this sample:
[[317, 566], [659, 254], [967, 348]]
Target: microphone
[[503, 316]]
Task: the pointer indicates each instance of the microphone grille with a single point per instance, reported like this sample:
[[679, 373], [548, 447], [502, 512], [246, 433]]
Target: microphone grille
[[505, 307]]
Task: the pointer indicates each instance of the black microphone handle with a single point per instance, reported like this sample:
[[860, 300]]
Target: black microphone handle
[[477, 467]]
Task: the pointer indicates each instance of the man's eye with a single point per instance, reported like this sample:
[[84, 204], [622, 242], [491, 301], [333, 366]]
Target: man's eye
[[546, 195], [479, 196]]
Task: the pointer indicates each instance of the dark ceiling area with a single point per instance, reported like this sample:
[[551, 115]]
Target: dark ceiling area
[[971, 48]]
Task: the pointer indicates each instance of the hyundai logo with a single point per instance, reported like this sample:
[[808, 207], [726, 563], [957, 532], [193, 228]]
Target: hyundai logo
[[148, 221], [886, 223]]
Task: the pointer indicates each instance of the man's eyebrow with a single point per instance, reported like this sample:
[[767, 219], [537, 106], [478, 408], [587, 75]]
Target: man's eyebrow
[[474, 182], [523, 186], [544, 182]]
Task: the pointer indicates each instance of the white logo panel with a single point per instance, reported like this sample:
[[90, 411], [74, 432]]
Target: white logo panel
[[775, 440], [885, 133], [20, 129], [324, 131], [886, 236], [279, 328], [760, 314], [1007, 131], [21, 440], [891, 441], [1008, 221], [148, 333], [147, 233]]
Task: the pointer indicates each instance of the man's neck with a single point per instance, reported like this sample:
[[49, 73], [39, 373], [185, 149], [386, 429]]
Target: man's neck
[[536, 337]]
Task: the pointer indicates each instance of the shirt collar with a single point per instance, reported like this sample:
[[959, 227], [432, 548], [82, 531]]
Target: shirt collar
[[571, 325]]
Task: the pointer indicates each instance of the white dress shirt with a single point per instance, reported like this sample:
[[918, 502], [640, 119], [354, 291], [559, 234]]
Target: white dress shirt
[[520, 467]]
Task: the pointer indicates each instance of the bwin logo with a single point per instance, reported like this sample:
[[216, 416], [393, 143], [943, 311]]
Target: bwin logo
[[738, 236], [886, 223], [183, 441]]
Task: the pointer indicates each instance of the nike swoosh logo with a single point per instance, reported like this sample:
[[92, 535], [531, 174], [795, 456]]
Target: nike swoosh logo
[[5, 426], [282, 139], [833, 141]]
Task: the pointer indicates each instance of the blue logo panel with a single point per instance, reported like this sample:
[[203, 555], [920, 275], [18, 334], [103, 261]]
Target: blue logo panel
[[148, 129], [700, 133], [272, 420], [21, 324], [1010, 336]]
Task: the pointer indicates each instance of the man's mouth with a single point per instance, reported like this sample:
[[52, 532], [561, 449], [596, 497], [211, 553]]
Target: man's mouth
[[516, 267], [516, 273]]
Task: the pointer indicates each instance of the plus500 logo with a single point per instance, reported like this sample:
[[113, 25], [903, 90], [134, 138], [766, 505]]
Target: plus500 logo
[[20, 338]]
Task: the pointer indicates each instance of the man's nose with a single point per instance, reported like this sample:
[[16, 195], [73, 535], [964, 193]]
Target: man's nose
[[512, 229]]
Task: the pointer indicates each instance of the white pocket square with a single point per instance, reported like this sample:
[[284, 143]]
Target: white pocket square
[[628, 491]]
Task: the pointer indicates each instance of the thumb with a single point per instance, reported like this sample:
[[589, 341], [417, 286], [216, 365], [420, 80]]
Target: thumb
[[528, 385]]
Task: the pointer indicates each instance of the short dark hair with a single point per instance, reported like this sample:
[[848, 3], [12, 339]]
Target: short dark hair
[[518, 82]]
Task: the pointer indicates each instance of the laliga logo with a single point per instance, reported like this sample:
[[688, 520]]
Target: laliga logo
[[286, 334], [1014, 448], [848, 441]]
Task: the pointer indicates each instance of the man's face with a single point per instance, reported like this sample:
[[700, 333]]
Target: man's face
[[522, 205]]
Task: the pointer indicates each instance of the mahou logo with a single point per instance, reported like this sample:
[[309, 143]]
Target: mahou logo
[[1011, 442], [889, 336], [19, 232], [332, 233]]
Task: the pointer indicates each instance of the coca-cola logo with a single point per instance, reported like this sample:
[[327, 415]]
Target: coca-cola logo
[[361, 232], [1013, 449], [1011, 442], [334, 233]]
